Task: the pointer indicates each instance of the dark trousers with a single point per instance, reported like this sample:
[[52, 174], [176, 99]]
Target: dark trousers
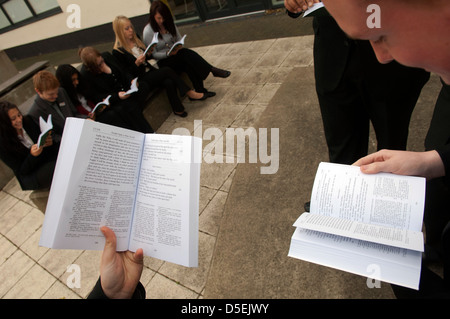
[[437, 200], [42, 176], [190, 62], [384, 95], [112, 117], [130, 110], [172, 83]]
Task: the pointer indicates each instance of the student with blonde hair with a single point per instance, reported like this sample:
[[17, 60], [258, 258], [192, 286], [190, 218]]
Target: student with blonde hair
[[129, 52]]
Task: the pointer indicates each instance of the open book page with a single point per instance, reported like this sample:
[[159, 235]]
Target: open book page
[[165, 224], [100, 106], [382, 199], [66, 157], [133, 87], [386, 263], [100, 180], [401, 238], [153, 43], [46, 127], [314, 8], [177, 44]]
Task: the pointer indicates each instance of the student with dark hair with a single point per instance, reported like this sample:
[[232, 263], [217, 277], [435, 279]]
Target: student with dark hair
[[70, 79], [181, 59], [32, 165], [77, 90]]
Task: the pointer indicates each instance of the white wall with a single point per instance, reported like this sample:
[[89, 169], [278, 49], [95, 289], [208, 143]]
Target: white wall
[[91, 13]]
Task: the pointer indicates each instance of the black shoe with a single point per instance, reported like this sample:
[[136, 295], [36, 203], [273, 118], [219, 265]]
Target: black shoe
[[220, 73], [209, 94], [184, 114]]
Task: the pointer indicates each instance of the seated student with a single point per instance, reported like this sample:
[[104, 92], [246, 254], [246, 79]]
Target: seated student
[[52, 99], [181, 59], [32, 165], [106, 77], [71, 80], [129, 52]]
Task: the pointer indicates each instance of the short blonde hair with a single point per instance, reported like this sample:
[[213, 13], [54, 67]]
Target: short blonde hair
[[45, 81]]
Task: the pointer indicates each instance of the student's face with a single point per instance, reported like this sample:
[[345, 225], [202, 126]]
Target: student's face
[[16, 119], [128, 30], [48, 95], [75, 81], [159, 19], [412, 33], [100, 63]]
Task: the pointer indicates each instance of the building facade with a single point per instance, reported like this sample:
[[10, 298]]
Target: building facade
[[31, 27]]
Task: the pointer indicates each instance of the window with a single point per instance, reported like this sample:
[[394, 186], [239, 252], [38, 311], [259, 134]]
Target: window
[[17, 10], [17, 13], [4, 22], [42, 6]]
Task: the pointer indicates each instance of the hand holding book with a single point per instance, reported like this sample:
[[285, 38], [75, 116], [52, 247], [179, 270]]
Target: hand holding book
[[46, 127], [152, 45], [176, 46]]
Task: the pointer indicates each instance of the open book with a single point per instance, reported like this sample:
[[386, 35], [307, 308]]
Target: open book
[[145, 187], [370, 225], [99, 107], [45, 127], [317, 10], [177, 44], [133, 88], [153, 43]]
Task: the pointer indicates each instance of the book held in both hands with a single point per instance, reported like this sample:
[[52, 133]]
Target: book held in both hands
[[360, 223], [145, 187], [46, 127]]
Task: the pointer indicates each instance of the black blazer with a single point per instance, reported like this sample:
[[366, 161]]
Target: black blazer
[[43, 108], [127, 61], [333, 51], [102, 85]]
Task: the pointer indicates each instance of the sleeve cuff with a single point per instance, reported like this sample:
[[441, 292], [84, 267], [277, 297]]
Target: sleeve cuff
[[98, 293]]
